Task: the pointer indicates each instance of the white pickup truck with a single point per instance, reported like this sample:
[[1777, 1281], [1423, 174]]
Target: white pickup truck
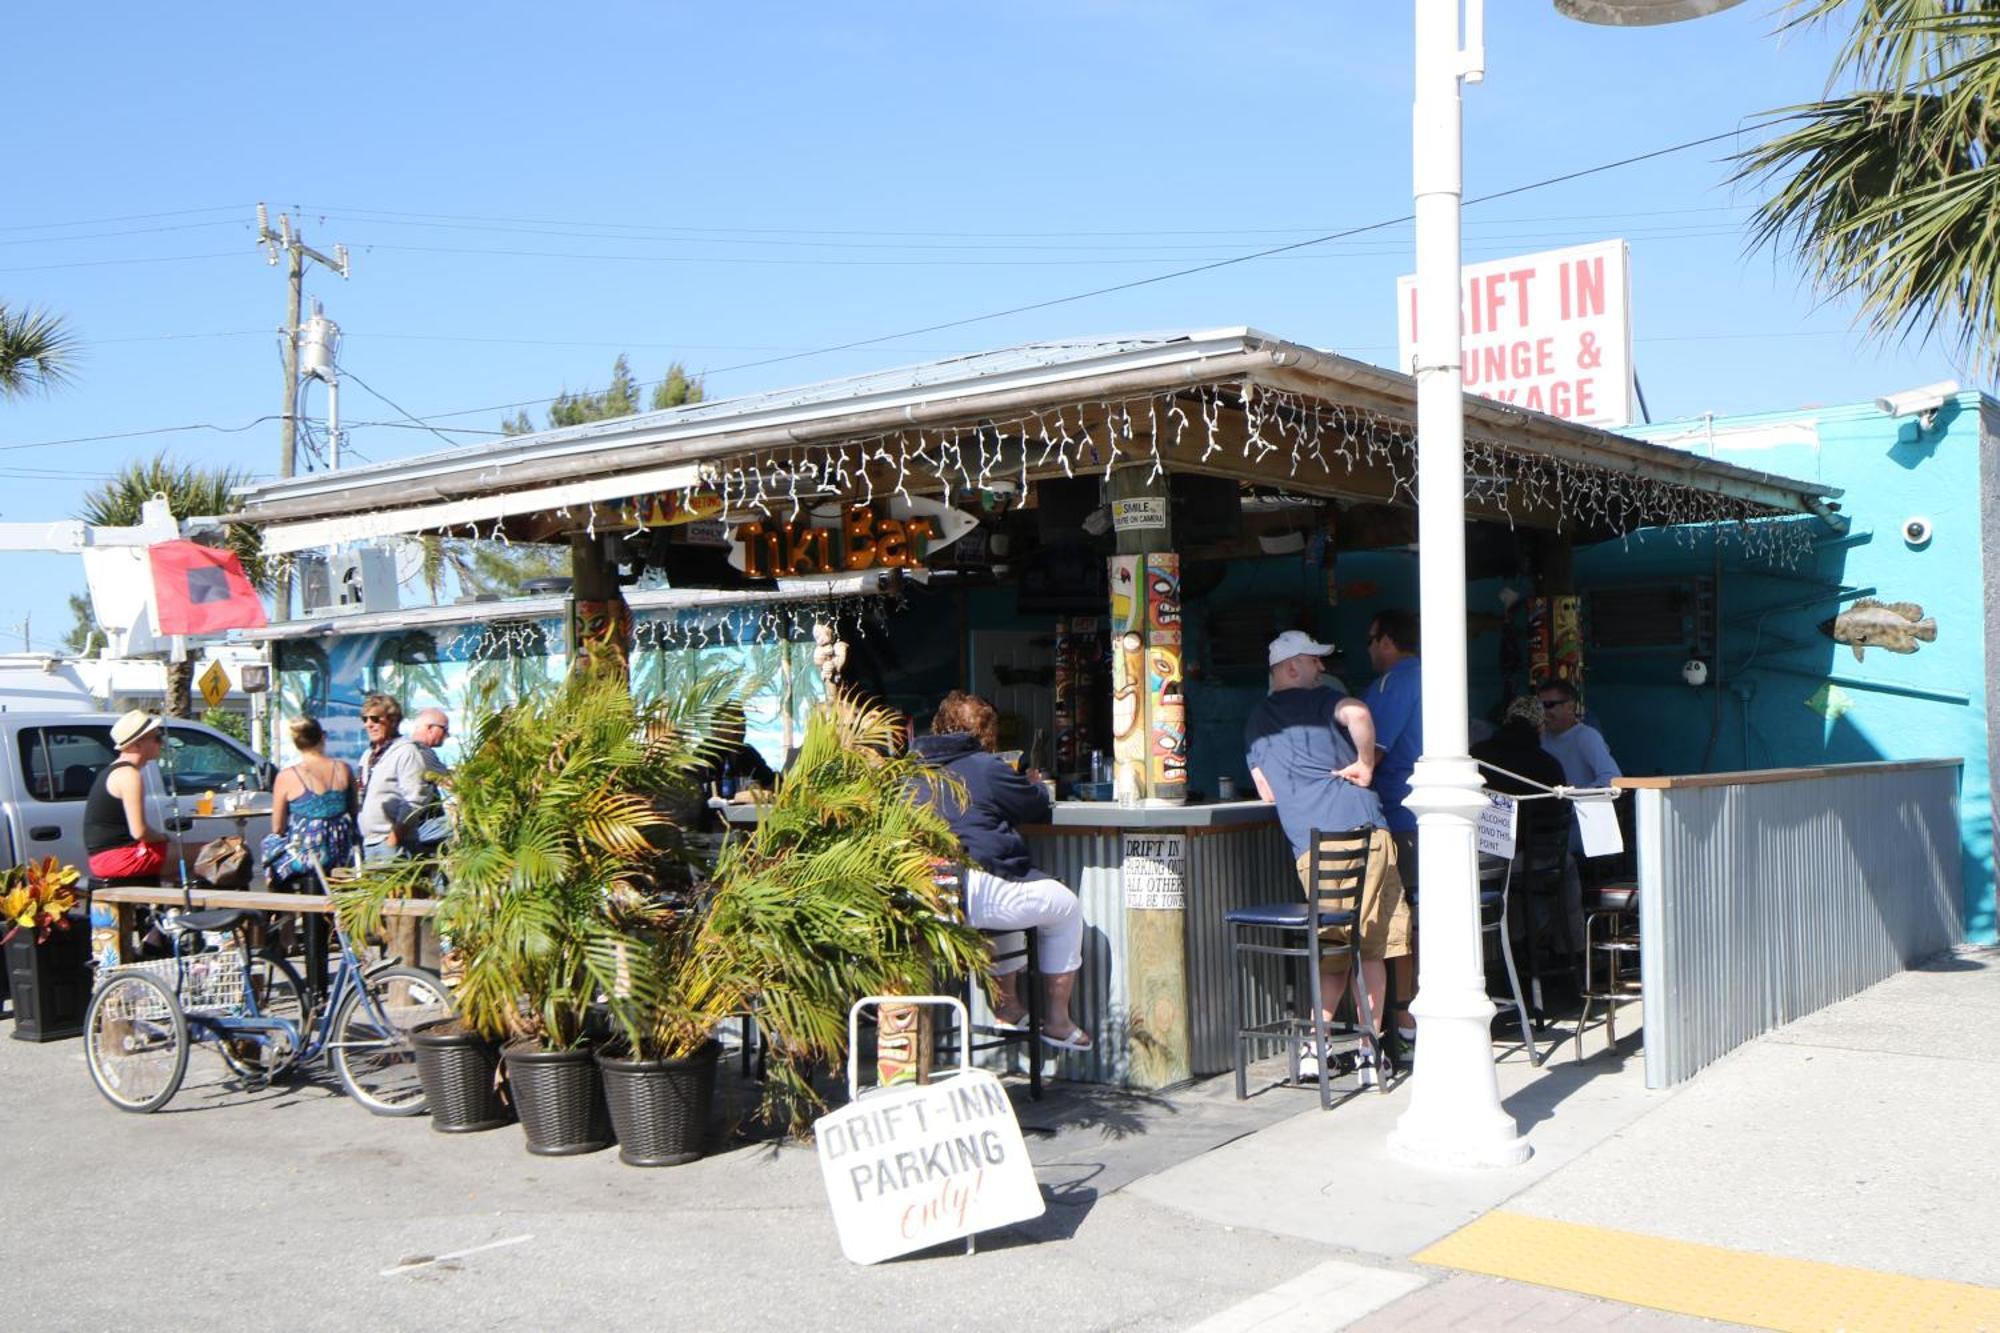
[[48, 762]]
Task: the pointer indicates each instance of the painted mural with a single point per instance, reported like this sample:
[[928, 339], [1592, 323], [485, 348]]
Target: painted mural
[[1128, 674], [1148, 709], [456, 667], [1165, 706], [1555, 640]]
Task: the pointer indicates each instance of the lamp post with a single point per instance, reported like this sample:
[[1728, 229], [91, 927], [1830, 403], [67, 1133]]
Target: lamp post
[[1455, 1118]]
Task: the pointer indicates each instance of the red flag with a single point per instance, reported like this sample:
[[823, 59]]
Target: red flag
[[201, 590]]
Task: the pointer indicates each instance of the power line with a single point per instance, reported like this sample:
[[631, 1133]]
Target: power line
[[106, 263], [613, 230], [101, 235], [135, 434], [123, 217], [1147, 281], [400, 408]]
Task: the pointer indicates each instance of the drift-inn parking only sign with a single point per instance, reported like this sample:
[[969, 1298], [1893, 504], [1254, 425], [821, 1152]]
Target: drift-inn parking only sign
[[911, 1167]]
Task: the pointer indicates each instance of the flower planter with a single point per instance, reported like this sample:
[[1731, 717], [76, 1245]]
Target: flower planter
[[460, 1072], [560, 1100], [50, 981], [660, 1107]]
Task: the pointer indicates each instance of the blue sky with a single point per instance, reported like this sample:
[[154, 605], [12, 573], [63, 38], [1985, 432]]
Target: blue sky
[[526, 193]]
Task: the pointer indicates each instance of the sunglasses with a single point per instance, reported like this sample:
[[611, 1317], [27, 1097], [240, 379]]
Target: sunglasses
[[374, 717], [1555, 703]]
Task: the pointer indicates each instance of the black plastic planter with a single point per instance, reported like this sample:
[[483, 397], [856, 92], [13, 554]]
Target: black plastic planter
[[560, 1100], [660, 1107], [50, 981], [460, 1072]]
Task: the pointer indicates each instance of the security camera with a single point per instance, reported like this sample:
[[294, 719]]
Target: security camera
[[1917, 530], [1922, 403], [1695, 672]]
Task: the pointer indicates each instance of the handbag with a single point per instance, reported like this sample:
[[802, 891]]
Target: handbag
[[224, 862]]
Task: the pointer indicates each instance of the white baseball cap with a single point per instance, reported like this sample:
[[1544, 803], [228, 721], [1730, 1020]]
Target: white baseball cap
[[1296, 643]]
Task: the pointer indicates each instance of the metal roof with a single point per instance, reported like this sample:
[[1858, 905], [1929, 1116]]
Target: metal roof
[[956, 389]]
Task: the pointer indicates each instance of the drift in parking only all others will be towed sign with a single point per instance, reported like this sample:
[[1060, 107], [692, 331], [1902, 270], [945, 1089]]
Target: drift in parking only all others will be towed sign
[[1551, 332]]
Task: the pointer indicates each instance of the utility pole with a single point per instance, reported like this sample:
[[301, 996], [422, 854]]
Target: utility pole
[[296, 252]]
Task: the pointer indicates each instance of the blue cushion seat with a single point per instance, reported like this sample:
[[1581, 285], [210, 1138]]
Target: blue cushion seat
[[1283, 914]]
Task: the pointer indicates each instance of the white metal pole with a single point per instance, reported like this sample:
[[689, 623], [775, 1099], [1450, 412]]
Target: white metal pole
[[1455, 1118]]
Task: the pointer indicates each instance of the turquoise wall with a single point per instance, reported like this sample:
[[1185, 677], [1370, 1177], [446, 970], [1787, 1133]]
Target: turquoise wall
[[1787, 694]]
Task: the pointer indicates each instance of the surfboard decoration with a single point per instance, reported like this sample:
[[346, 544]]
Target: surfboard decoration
[[664, 509], [900, 533]]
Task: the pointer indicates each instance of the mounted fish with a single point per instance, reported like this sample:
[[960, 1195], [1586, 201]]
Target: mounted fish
[[1895, 626]]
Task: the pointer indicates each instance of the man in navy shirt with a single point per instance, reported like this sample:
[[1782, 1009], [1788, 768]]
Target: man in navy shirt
[[1311, 752], [1396, 700]]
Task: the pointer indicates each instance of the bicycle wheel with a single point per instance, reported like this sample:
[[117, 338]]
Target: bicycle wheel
[[371, 1037], [135, 1039], [279, 993]]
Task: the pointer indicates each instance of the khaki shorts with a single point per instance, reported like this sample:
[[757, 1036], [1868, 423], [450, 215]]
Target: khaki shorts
[[1385, 917]]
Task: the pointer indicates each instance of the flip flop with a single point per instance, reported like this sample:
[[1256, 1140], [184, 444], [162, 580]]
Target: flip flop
[[1078, 1040], [1009, 1024]]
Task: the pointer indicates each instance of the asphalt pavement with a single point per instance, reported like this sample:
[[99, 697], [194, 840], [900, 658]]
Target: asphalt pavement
[[1845, 1158]]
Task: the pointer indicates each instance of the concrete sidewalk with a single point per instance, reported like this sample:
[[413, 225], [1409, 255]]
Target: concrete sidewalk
[[1839, 1173]]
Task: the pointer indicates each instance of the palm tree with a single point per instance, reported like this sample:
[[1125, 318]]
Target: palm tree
[[189, 490], [36, 352], [1889, 191]]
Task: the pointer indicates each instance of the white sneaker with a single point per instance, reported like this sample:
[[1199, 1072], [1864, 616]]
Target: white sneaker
[[1308, 1061]]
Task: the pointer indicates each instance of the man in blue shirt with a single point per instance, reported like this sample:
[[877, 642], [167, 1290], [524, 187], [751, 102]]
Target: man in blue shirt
[[1311, 752], [1396, 700]]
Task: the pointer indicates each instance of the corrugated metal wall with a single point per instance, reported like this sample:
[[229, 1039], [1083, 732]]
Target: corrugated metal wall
[[1765, 901], [1237, 868], [1226, 869], [1087, 861]]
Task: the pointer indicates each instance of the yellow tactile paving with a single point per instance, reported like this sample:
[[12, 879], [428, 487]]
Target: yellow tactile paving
[[1761, 1290]]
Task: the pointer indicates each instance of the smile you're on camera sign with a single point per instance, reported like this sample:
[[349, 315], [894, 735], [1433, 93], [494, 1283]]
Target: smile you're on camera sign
[[1551, 332]]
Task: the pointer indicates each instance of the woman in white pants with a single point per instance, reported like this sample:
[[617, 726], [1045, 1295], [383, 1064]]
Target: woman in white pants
[[1003, 892]]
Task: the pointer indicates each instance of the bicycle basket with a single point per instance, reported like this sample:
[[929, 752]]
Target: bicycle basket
[[213, 981]]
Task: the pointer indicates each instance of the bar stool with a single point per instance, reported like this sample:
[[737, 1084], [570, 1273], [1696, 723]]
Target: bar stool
[[1336, 871], [1542, 865], [1614, 907], [1494, 918], [992, 1035]]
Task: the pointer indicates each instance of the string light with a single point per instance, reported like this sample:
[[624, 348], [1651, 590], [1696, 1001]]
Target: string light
[[1321, 440]]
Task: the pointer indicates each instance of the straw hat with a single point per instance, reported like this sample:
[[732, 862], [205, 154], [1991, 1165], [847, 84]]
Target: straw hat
[[133, 727]]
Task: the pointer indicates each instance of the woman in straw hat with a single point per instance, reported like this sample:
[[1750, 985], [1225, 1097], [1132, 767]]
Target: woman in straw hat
[[121, 844]]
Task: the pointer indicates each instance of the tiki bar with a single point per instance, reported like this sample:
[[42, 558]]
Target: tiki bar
[[1098, 537]]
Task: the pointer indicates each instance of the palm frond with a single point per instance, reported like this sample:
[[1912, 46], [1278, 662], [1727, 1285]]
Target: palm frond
[[1889, 193], [37, 352]]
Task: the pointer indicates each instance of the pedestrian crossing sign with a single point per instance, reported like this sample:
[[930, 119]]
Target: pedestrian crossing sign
[[214, 683]]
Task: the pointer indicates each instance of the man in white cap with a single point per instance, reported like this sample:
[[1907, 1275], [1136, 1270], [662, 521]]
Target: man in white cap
[[120, 843], [1311, 753]]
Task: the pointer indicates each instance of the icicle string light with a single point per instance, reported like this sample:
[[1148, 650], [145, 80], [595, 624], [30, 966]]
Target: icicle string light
[[1316, 438]]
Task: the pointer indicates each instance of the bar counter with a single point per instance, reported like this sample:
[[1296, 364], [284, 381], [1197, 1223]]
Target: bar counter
[[1154, 882]]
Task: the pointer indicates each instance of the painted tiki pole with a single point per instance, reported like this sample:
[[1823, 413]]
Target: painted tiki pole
[[1166, 713]]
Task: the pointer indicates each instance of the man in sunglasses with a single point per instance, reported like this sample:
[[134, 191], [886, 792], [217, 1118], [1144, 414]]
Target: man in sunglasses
[[398, 776], [1577, 746], [1586, 762]]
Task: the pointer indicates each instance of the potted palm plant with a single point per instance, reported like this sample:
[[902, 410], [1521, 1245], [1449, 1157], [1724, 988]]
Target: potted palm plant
[[552, 879], [830, 897]]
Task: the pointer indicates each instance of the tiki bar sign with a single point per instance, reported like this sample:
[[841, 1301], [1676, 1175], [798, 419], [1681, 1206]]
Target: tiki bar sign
[[900, 534]]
